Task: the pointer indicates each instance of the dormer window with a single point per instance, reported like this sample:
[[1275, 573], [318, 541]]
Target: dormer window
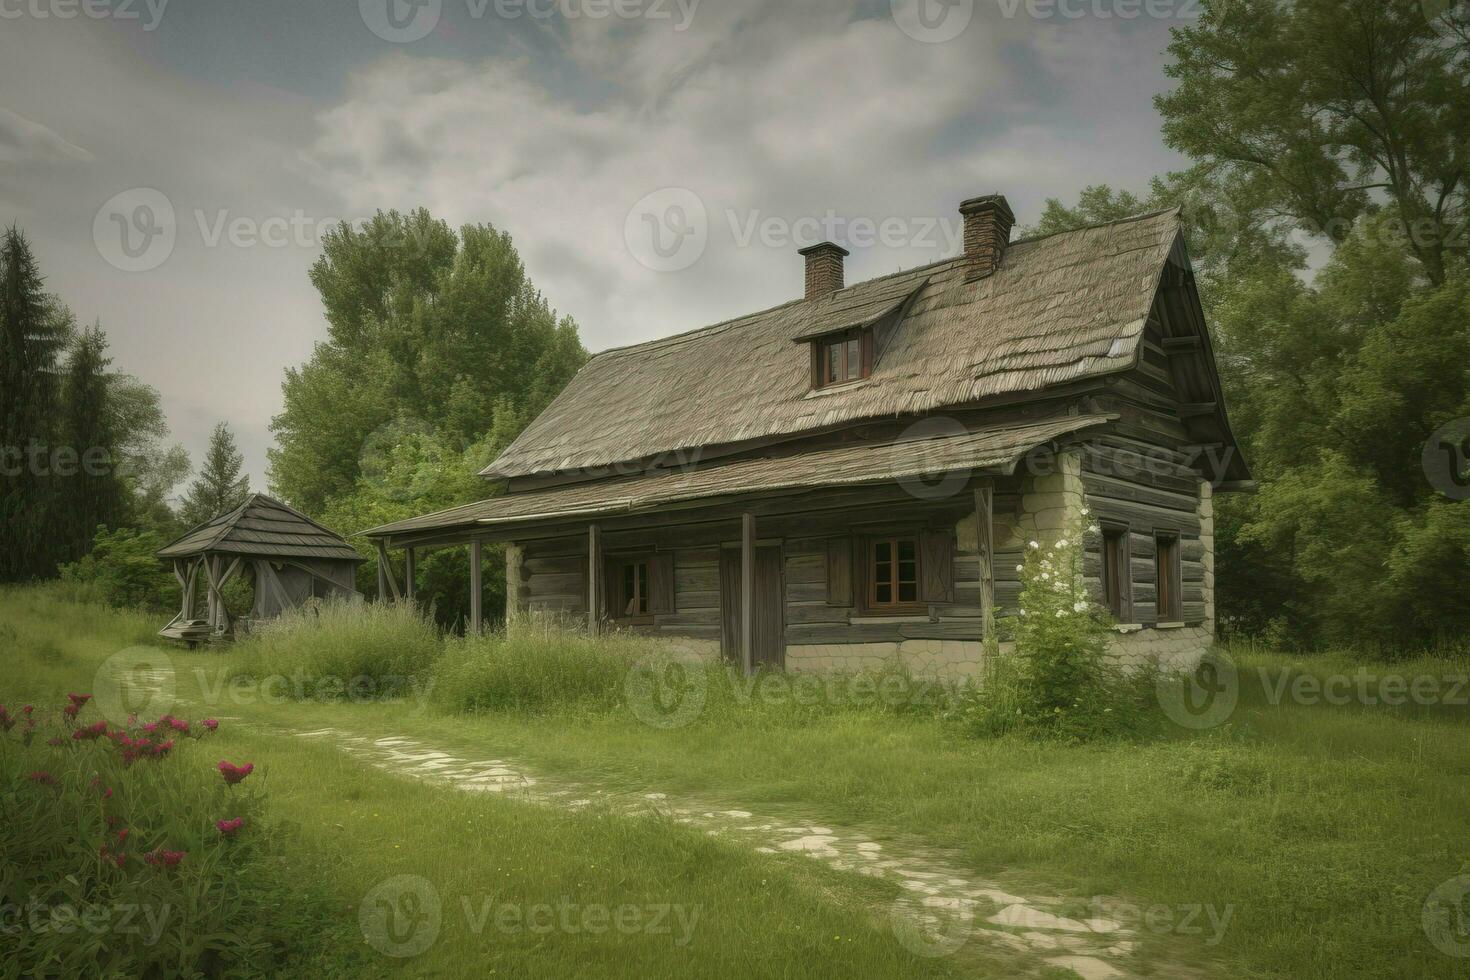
[[841, 357]]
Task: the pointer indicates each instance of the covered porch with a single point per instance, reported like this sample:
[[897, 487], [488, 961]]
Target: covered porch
[[760, 558]]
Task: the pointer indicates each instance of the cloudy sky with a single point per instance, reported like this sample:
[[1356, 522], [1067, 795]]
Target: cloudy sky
[[657, 161]]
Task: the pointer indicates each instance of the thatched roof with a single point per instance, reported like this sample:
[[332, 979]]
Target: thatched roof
[[995, 449], [265, 528], [1059, 308]]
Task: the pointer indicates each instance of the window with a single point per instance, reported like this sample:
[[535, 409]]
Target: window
[[1117, 569], [843, 357], [633, 590], [893, 573], [1167, 549]]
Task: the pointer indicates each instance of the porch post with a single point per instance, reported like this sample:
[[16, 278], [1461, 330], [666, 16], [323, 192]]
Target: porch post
[[408, 576], [747, 591], [984, 523], [476, 587], [594, 578]]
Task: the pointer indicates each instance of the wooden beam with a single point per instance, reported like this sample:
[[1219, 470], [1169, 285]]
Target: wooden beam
[[408, 573], [477, 589], [1190, 410], [1181, 345], [984, 530], [747, 591], [385, 576], [594, 578]]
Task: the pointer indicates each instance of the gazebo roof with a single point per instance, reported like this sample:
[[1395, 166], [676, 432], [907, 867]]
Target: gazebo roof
[[265, 528]]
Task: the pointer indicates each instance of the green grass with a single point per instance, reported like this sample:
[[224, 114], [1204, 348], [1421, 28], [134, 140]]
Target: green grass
[[1319, 828]]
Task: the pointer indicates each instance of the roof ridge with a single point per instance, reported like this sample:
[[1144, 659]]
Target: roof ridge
[[1141, 216], [654, 343], [735, 321]]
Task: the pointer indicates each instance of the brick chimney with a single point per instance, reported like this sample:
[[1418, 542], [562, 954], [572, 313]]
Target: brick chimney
[[988, 222], [823, 269]]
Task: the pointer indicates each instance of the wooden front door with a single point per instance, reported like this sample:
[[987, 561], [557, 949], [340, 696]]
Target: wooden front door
[[770, 606]]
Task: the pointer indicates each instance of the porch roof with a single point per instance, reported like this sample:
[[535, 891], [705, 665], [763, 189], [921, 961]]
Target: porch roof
[[997, 449]]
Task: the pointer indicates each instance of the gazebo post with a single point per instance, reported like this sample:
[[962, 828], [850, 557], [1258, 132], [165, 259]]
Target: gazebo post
[[408, 573]]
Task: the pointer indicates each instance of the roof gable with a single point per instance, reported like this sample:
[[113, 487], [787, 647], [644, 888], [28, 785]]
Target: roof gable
[[1060, 308], [265, 527]]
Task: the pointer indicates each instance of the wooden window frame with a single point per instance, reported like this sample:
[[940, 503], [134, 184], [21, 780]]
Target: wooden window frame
[[1117, 572], [642, 565], [869, 592], [1168, 578], [822, 352]]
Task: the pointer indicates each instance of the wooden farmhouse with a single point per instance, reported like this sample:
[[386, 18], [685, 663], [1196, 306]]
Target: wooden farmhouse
[[854, 475]]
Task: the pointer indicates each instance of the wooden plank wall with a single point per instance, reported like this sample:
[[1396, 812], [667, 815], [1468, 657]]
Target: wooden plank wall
[[1149, 490], [554, 571]]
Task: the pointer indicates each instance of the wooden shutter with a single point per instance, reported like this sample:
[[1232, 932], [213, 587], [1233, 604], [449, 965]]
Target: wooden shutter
[[839, 572], [936, 561], [661, 582]]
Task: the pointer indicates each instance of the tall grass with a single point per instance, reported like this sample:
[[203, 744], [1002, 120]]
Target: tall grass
[[540, 668], [336, 649]]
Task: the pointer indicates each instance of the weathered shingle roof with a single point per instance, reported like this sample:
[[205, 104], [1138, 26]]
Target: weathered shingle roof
[[1060, 308], [996, 448], [264, 527]]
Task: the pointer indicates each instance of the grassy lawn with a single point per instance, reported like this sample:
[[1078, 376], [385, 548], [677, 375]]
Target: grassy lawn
[[1299, 839]]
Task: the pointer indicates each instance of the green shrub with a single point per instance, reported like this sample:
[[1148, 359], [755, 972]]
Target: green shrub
[[333, 650], [1060, 682], [112, 862], [122, 571]]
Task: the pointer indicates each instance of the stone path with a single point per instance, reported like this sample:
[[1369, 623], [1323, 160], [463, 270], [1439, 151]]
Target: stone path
[[941, 909]]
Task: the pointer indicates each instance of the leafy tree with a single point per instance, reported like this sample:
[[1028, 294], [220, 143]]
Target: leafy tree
[[220, 487], [1322, 111], [423, 324]]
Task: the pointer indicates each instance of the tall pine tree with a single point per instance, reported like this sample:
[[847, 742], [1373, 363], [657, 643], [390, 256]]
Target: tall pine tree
[[220, 486], [90, 493], [31, 336]]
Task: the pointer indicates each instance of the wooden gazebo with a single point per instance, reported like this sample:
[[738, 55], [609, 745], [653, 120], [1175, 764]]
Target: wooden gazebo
[[292, 557]]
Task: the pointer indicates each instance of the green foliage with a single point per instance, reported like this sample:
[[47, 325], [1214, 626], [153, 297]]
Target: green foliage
[[220, 487], [77, 822], [1310, 108], [79, 443], [1060, 682], [121, 571], [355, 650], [439, 329]]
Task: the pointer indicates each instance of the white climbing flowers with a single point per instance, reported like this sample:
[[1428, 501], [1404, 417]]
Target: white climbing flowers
[[1034, 544]]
